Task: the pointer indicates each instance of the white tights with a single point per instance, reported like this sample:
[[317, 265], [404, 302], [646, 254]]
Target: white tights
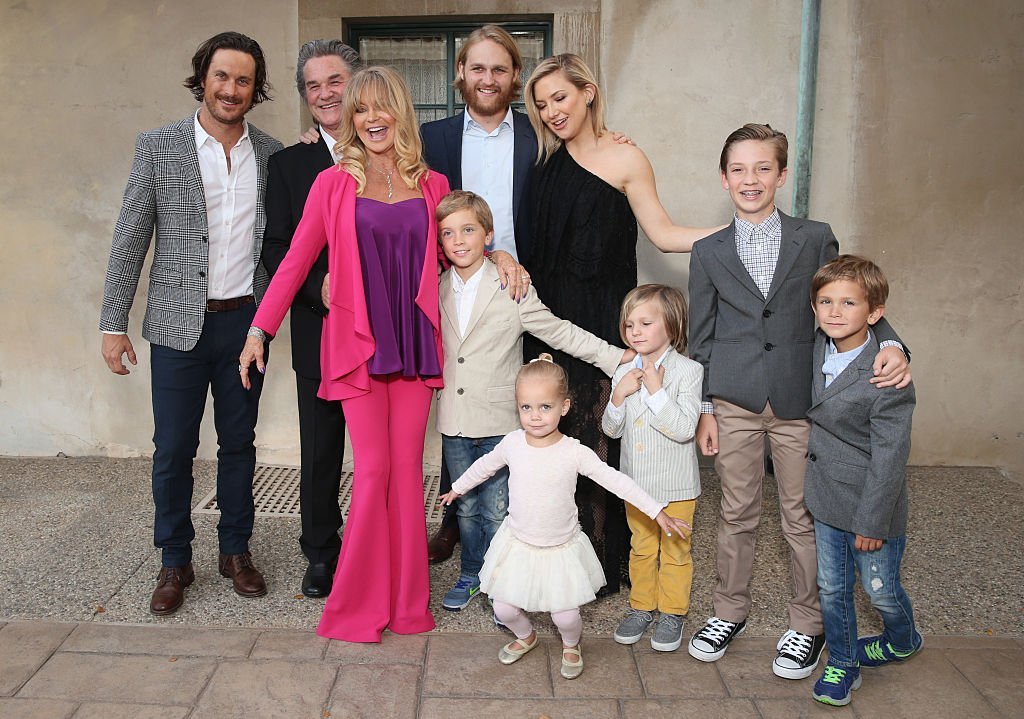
[[568, 621]]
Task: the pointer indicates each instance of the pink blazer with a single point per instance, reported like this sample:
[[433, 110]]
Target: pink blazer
[[330, 218]]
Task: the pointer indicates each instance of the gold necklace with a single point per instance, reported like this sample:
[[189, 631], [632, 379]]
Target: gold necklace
[[387, 178]]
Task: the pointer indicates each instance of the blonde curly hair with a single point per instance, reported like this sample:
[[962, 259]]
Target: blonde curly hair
[[385, 89]]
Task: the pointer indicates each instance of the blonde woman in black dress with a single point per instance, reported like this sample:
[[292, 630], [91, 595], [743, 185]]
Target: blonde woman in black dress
[[588, 194]]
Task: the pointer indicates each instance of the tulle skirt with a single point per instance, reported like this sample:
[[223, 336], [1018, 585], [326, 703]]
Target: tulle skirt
[[541, 579]]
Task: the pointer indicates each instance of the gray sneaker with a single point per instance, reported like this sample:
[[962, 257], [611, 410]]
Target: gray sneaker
[[633, 626], [668, 634]]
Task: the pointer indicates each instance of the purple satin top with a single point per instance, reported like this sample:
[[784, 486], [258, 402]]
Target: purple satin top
[[391, 244]]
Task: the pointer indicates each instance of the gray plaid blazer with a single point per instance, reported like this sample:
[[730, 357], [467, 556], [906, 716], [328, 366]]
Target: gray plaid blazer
[[165, 193]]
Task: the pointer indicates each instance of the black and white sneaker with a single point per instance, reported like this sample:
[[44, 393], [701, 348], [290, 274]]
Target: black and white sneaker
[[710, 643], [798, 654]]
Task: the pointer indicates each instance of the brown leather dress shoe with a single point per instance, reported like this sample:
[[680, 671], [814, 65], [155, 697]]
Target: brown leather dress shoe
[[442, 544], [170, 589], [247, 580]]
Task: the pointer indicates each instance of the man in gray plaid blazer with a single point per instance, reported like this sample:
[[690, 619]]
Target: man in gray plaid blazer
[[200, 184]]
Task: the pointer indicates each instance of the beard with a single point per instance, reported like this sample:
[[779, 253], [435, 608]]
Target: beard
[[498, 102], [218, 113]]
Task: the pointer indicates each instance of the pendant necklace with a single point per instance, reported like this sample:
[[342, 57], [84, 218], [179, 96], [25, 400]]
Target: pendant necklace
[[387, 179]]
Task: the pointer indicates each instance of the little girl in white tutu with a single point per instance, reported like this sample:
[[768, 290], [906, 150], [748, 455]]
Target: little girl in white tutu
[[540, 560]]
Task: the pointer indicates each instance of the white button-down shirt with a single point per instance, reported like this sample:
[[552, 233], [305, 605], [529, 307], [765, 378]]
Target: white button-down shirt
[[465, 296], [230, 213], [487, 166], [330, 142]]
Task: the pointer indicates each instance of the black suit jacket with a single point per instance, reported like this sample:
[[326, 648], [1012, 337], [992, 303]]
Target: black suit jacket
[[290, 176], [442, 149]]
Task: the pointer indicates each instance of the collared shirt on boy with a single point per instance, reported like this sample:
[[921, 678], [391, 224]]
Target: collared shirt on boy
[[487, 160], [465, 296], [654, 401], [758, 248], [836, 361]]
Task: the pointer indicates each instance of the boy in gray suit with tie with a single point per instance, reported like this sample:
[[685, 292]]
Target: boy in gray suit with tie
[[855, 486], [753, 330]]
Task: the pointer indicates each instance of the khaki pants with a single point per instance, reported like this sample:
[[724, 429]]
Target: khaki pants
[[740, 467], [660, 567]]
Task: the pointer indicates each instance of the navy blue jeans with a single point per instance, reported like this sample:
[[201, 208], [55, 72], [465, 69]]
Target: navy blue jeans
[[880, 577], [180, 384], [482, 509]]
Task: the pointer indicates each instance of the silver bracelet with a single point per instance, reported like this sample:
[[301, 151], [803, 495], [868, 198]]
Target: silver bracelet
[[258, 333]]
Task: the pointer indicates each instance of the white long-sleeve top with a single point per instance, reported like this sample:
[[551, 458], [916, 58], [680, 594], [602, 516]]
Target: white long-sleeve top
[[657, 431], [542, 486]]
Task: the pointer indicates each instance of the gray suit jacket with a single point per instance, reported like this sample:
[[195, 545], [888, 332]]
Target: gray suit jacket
[[857, 454], [757, 349], [165, 193]]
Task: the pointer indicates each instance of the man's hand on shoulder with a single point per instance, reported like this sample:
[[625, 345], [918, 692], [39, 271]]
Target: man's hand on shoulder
[[310, 136], [113, 349], [891, 368]]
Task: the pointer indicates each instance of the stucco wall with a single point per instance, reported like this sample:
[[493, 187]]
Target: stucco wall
[[916, 163], [80, 80]]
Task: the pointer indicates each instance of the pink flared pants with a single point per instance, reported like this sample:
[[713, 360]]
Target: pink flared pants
[[382, 580]]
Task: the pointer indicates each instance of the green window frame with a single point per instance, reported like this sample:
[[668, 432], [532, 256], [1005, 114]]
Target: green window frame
[[430, 103]]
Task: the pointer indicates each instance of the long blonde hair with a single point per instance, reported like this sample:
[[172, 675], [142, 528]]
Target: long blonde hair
[[577, 72], [384, 88]]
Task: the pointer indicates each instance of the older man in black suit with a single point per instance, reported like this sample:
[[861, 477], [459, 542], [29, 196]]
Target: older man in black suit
[[324, 67]]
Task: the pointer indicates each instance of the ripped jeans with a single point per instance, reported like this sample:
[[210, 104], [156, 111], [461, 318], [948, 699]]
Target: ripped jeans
[[880, 577]]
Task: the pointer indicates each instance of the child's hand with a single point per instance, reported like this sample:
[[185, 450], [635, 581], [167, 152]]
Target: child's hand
[[654, 377], [449, 497], [630, 383], [671, 524], [707, 435], [867, 544]]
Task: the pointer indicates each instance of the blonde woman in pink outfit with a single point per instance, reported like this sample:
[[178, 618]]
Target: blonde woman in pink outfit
[[540, 560], [381, 354]]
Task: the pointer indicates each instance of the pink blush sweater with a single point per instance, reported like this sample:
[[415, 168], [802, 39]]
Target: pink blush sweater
[[542, 486]]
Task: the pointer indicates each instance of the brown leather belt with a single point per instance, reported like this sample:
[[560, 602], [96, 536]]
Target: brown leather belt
[[227, 305]]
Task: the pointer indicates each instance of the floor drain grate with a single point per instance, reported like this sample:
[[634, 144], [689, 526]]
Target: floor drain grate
[[275, 490]]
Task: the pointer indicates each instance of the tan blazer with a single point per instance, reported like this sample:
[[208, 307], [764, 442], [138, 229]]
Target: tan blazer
[[478, 399]]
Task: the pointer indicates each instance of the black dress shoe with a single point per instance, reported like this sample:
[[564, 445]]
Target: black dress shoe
[[318, 579], [442, 544]]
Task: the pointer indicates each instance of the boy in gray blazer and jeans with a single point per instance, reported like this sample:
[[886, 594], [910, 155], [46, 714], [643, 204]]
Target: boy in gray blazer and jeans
[[855, 485], [753, 330]]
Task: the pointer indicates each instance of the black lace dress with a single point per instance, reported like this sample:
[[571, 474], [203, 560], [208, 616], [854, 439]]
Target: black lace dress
[[583, 263]]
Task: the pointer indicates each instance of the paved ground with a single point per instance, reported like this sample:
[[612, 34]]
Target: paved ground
[[76, 569]]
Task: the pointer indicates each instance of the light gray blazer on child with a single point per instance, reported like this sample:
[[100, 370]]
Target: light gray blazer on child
[[857, 453], [658, 450]]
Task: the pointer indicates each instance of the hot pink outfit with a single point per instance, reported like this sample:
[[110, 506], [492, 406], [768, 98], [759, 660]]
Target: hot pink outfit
[[382, 578]]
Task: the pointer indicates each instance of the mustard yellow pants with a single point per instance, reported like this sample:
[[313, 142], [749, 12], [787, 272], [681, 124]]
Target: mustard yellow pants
[[660, 567]]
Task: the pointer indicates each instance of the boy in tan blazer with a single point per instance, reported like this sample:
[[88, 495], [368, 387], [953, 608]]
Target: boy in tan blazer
[[482, 329]]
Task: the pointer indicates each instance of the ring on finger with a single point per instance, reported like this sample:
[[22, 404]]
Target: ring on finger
[[241, 368]]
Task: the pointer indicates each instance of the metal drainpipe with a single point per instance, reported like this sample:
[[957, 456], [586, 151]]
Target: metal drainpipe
[[809, 32]]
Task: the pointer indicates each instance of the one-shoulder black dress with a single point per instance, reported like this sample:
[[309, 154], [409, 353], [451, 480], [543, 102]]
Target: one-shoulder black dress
[[583, 263]]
